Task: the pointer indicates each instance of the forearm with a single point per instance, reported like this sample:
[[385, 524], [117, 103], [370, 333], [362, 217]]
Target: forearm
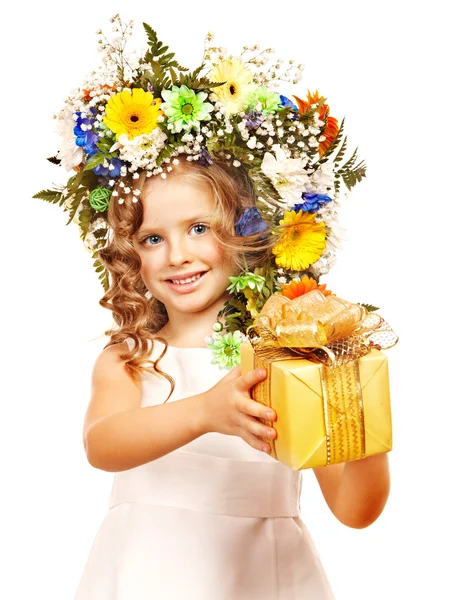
[[363, 490], [357, 491], [135, 437]]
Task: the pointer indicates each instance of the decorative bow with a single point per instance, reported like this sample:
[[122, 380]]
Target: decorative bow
[[326, 329]]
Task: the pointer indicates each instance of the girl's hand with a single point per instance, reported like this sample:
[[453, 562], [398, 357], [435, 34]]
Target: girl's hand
[[229, 409]]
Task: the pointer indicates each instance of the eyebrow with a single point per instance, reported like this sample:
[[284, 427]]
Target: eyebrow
[[195, 219]]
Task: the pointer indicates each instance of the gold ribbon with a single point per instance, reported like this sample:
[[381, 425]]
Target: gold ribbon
[[330, 331]]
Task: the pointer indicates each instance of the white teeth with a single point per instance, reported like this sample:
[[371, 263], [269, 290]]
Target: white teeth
[[181, 281]]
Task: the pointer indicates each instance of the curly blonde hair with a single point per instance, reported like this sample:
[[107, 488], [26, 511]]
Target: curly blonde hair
[[137, 317]]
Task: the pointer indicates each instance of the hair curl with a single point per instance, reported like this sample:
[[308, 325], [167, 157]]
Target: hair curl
[[137, 317]]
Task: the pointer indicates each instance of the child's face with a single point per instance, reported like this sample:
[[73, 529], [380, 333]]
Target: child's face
[[175, 243]]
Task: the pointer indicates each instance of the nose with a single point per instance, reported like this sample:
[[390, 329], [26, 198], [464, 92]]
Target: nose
[[178, 251]]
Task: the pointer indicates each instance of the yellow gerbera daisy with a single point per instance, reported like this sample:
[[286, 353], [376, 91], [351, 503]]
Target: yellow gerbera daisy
[[302, 241], [132, 113], [237, 87]]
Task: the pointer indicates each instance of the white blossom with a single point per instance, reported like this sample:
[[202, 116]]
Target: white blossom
[[322, 180], [287, 174], [143, 150], [69, 153]]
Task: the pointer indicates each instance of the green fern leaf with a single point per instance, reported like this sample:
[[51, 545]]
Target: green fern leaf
[[85, 216], [74, 207], [369, 307], [158, 51], [354, 176], [100, 233], [53, 196], [348, 165], [174, 77], [341, 152], [101, 272]]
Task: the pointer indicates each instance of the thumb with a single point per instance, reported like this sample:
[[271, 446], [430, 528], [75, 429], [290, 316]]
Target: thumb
[[233, 373]]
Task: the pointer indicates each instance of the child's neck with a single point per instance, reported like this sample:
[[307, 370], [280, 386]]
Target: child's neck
[[190, 330]]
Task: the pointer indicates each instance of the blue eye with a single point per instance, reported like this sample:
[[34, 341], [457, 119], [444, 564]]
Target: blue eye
[[151, 237], [200, 228]]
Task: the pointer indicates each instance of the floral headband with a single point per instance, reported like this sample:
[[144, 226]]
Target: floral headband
[[139, 113]]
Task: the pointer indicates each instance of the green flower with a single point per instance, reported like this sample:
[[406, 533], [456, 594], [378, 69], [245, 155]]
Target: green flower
[[270, 101], [184, 108], [226, 349], [247, 280], [99, 199]]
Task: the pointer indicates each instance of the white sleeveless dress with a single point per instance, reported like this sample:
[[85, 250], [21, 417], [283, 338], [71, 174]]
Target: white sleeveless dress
[[213, 520]]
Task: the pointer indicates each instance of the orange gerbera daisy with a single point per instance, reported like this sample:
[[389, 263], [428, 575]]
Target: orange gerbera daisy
[[303, 286], [331, 124]]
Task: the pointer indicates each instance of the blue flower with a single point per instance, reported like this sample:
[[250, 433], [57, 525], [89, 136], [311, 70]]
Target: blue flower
[[116, 165], [254, 119], [86, 139], [286, 103], [312, 202], [250, 222]]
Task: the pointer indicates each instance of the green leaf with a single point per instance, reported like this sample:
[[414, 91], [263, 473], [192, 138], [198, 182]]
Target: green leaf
[[100, 233], [53, 196], [340, 154], [369, 307], [158, 51], [101, 271], [74, 207], [94, 161], [74, 182], [85, 220], [353, 176]]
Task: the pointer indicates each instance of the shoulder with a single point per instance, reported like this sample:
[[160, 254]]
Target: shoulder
[[113, 388], [110, 365]]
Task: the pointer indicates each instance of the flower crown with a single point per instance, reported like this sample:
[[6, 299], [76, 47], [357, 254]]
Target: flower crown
[[139, 113]]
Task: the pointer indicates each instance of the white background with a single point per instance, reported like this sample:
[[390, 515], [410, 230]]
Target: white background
[[395, 70]]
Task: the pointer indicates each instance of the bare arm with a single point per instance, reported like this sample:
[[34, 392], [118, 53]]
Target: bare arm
[[119, 434], [356, 492]]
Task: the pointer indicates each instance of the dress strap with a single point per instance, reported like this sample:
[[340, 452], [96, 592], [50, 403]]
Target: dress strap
[[212, 484]]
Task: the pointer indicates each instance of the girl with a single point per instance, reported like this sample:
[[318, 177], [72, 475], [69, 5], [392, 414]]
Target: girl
[[200, 195], [194, 512]]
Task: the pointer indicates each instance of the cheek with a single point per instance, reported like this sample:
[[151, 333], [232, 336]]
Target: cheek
[[150, 265]]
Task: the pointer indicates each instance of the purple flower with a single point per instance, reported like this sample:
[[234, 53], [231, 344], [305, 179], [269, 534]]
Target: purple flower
[[205, 159], [86, 139], [250, 222], [254, 119], [116, 165], [312, 202]]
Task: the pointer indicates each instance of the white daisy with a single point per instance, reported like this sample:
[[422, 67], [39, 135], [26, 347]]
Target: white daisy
[[287, 174]]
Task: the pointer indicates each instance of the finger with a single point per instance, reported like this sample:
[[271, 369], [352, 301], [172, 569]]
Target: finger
[[251, 378], [258, 410], [233, 374], [257, 428], [256, 442]]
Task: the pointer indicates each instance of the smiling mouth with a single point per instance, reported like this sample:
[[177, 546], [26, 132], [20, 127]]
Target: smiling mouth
[[187, 280]]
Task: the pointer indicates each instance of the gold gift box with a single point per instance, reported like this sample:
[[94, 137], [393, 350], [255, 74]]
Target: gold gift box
[[297, 390]]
